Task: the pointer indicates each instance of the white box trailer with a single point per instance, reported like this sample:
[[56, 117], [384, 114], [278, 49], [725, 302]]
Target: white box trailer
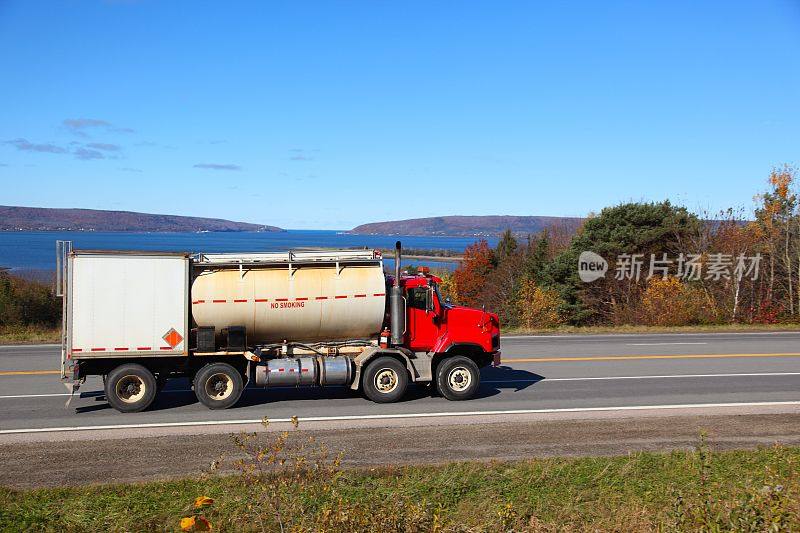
[[122, 304]]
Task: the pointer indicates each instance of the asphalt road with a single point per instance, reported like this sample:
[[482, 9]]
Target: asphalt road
[[578, 374], [565, 395]]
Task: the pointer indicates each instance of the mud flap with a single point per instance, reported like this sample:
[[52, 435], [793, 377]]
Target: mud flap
[[72, 387]]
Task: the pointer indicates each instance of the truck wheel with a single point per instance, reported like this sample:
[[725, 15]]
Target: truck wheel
[[458, 378], [385, 380], [218, 385], [130, 388]]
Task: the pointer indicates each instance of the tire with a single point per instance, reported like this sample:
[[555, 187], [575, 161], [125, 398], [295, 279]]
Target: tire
[[458, 378], [218, 385], [385, 380], [130, 388]]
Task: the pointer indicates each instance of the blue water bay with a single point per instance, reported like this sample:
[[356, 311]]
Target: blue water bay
[[35, 250]]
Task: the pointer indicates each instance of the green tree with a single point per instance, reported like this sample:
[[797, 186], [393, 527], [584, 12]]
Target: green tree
[[506, 246], [630, 228], [537, 257]]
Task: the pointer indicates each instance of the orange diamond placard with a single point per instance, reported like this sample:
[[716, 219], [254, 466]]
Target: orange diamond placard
[[172, 337]]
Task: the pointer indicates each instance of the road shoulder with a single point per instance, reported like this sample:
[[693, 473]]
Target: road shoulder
[[136, 458]]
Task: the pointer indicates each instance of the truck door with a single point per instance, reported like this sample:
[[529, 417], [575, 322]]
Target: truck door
[[423, 327]]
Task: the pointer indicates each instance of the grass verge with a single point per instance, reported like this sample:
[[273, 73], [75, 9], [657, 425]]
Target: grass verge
[[756, 490], [29, 335]]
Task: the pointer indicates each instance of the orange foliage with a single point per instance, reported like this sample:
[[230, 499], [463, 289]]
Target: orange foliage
[[538, 307], [670, 302], [470, 278], [195, 523]]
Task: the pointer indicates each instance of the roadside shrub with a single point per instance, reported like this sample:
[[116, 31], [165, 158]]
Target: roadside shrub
[[538, 307], [26, 302], [766, 313], [670, 302]]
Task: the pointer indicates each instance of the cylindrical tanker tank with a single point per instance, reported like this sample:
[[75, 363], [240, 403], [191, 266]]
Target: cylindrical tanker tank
[[302, 303]]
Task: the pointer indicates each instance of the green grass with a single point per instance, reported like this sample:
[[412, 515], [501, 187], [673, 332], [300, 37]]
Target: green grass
[[29, 335], [683, 491]]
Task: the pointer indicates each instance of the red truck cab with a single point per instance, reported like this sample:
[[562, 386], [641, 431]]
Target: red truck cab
[[434, 325]]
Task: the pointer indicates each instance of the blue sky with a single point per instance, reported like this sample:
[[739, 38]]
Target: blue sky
[[331, 114]]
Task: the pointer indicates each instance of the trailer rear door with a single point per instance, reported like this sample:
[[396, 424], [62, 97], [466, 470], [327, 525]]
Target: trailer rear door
[[127, 304]]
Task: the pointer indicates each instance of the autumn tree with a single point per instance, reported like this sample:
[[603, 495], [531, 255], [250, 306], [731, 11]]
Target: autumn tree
[[735, 296], [504, 281], [779, 223], [470, 278]]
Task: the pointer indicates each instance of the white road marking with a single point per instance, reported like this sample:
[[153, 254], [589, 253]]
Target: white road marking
[[13, 346], [34, 395], [663, 343], [402, 416], [603, 378], [90, 394]]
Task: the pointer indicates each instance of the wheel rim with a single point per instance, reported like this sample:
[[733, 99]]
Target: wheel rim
[[386, 380], [130, 389], [219, 386], [459, 379]]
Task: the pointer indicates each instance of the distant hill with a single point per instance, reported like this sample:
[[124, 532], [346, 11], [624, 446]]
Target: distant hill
[[467, 226], [46, 219]]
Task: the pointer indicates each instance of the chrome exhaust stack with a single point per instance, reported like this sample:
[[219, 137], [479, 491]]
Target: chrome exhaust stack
[[397, 307]]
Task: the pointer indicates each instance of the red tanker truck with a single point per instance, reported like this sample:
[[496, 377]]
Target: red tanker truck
[[298, 318]]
